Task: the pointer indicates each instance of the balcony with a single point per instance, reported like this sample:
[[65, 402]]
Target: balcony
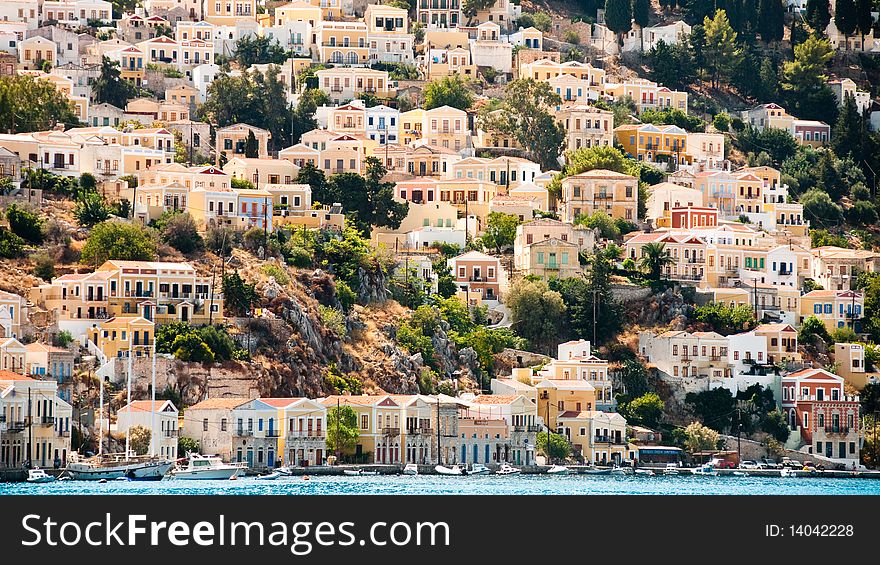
[[420, 431], [305, 434], [64, 433], [47, 420], [613, 440], [391, 432], [335, 88], [603, 196], [837, 430], [16, 427], [244, 433], [273, 433], [169, 433]]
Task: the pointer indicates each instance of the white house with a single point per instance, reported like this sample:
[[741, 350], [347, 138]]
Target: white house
[[164, 418], [382, 124]]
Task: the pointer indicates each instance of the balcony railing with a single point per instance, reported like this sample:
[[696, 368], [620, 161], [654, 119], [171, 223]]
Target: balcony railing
[[47, 421], [390, 432], [244, 433], [420, 431], [608, 439], [835, 430], [273, 433], [16, 427], [306, 434]]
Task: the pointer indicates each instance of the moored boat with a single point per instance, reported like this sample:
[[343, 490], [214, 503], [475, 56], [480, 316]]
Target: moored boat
[[645, 472], [411, 469], [506, 469], [39, 476], [479, 469], [119, 466], [206, 467], [558, 470], [268, 476], [443, 470], [622, 471]]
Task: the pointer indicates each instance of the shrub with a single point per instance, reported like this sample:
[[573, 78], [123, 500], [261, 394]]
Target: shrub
[[180, 232], [118, 240], [345, 295], [11, 246], [44, 266], [91, 210], [298, 256], [571, 36], [279, 273], [333, 319], [25, 224], [721, 122]]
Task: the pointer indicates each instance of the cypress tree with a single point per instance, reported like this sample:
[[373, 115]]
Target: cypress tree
[[618, 16], [864, 21], [845, 17], [641, 14], [771, 20], [818, 15], [847, 135]]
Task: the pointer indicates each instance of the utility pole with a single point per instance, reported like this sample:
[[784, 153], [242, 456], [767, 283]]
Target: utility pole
[[738, 432], [438, 429], [153, 403], [337, 431], [30, 429], [755, 284], [595, 323]]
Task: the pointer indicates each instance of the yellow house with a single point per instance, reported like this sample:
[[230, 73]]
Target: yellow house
[[345, 83], [410, 124], [232, 140], [226, 12], [597, 437], [648, 95], [343, 42], [557, 396], [133, 66], [546, 69], [614, 193], [835, 308], [262, 171], [298, 12], [123, 336], [654, 143], [381, 420], [13, 355]]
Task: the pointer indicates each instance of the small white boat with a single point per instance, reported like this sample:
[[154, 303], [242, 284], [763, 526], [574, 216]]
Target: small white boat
[[369, 473], [671, 469], [706, 470], [506, 469], [740, 474], [39, 476], [284, 470], [411, 469], [558, 470], [207, 467], [786, 472], [352, 472], [622, 471], [268, 476], [645, 472], [479, 469], [453, 470]]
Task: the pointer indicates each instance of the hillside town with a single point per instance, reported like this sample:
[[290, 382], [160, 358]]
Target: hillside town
[[439, 233]]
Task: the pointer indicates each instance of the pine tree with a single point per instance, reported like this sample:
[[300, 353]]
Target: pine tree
[[734, 10], [847, 135], [251, 148], [818, 15], [749, 17], [845, 17], [641, 14], [771, 20], [723, 53], [618, 16], [697, 43]]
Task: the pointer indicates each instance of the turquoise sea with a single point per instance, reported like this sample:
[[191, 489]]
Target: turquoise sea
[[484, 485]]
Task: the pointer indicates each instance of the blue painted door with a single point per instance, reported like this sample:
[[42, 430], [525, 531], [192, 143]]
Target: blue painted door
[[476, 453]]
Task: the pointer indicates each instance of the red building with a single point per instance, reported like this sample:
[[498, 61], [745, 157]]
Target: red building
[[816, 407], [686, 217]]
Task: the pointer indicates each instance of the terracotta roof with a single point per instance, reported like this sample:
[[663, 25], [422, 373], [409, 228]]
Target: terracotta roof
[[145, 405], [10, 376], [494, 399], [219, 403]]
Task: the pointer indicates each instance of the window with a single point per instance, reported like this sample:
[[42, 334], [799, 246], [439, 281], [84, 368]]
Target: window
[[223, 425], [365, 421], [205, 425]]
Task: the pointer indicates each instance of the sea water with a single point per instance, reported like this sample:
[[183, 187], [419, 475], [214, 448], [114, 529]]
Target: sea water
[[482, 485]]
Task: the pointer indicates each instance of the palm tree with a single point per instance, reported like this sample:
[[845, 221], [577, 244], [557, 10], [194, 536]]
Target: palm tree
[[655, 257]]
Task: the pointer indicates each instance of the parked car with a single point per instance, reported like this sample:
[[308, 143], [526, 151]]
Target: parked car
[[748, 465], [792, 463], [723, 464], [770, 464]]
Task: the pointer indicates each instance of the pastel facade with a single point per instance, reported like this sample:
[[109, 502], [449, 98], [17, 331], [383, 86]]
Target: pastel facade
[[46, 441], [160, 416], [611, 192], [477, 272]]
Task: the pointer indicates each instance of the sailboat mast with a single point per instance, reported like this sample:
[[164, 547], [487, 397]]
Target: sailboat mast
[[101, 415], [153, 403], [128, 399]]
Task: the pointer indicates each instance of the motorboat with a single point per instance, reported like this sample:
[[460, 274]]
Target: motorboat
[[740, 474], [595, 471], [207, 467], [645, 473], [622, 471], [411, 469], [479, 469], [671, 469], [786, 472], [136, 468], [39, 476], [284, 470], [268, 476], [706, 470], [453, 470], [359, 472], [506, 469], [558, 470]]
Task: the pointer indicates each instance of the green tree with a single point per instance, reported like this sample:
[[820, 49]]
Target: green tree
[[655, 259], [599, 220], [846, 17], [454, 91], [671, 65], [847, 136], [818, 15], [806, 72], [554, 446], [186, 445], [342, 430], [190, 347], [91, 210], [721, 122], [673, 116], [774, 423], [25, 223], [526, 116], [238, 296], [44, 266], [180, 232], [864, 19], [725, 319], [367, 200], [641, 13], [118, 240], [110, 87], [723, 53], [812, 329], [536, 313], [820, 209], [140, 437], [11, 246], [251, 147], [646, 410], [30, 104], [591, 311], [618, 17], [634, 376], [470, 7], [771, 20], [714, 407], [500, 230], [700, 438], [258, 50]]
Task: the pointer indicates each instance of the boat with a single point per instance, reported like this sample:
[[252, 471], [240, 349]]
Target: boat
[[411, 469], [671, 469], [706, 470], [646, 472], [453, 470], [284, 470], [786, 472], [268, 476], [352, 472], [740, 474], [136, 468], [622, 471], [558, 470], [39, 476], [478, 469], [206, 467], [369, 473], [595, 472], [506, 469]]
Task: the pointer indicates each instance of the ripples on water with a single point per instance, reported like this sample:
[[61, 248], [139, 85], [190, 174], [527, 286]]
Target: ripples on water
[[433, 484]]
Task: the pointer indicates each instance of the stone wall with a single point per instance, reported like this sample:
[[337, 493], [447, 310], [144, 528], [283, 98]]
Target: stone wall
[[755, 451], [629, 293]]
